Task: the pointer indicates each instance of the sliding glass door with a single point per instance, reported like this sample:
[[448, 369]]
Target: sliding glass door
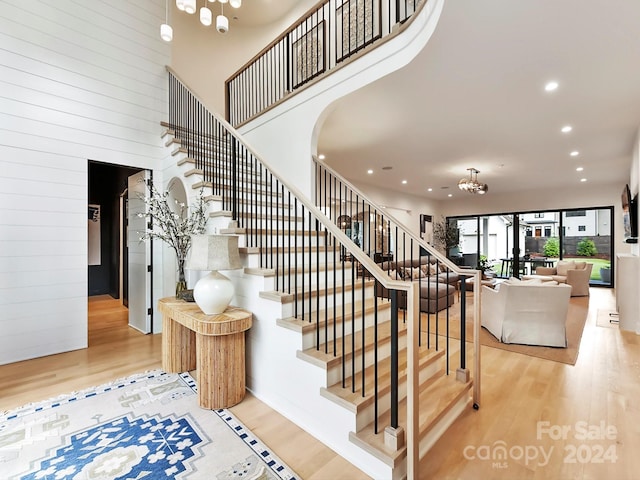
[[586, 236], [516, 244]]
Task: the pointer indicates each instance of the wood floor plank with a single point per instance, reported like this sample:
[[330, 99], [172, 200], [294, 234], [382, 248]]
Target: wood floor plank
[[518, 392], [115, 351]]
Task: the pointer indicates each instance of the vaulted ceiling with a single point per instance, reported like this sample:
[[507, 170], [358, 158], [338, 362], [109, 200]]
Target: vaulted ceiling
[[475, 97]]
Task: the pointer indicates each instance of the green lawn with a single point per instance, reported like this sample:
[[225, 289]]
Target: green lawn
[[595, 271], [598, 263]]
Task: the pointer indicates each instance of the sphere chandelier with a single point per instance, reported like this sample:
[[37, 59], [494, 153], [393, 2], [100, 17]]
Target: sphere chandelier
[[471, 184]]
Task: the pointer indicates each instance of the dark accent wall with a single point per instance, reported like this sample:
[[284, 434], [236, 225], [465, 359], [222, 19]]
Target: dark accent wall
[[106, 184]]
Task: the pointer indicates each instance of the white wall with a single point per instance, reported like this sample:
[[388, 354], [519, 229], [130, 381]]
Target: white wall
[[78, 81], [204, 59]]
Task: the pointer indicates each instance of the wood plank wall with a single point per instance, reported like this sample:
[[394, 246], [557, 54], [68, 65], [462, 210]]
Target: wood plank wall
[[79, 81]]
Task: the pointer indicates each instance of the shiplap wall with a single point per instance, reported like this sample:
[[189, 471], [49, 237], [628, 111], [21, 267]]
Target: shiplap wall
[[79, 81]]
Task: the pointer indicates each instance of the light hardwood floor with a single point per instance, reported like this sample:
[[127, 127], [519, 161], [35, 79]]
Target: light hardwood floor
[[529, 404], [600, 393], [115, 351]]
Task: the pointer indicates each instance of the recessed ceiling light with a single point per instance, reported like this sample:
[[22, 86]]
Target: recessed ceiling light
[[583, 179], [551, 86], [321, 156], [370, 172], [575, 153], [404, 182], [450, 195], [579, 169], [566, 129], [429, 189]]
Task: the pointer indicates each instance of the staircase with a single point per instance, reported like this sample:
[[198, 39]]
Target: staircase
[[371, 380]]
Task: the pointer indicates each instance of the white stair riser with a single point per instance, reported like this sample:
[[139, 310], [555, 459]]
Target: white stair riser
[[340, 298], [334, 372], [309, 337]]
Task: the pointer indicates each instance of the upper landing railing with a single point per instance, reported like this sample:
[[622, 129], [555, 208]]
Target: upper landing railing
[[324, 38]]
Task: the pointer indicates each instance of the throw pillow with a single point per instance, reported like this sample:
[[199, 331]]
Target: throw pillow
[[415, 273], [562, 267], [406, 273], [580, 265]]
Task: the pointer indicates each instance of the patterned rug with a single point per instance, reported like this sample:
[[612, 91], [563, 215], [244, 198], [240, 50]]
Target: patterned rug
[[148, 426]]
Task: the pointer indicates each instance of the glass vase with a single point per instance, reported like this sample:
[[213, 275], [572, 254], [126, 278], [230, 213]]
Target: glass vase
[[181, 285]]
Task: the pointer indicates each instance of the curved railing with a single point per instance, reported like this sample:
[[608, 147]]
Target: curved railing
[[316, 265], [323, 39]]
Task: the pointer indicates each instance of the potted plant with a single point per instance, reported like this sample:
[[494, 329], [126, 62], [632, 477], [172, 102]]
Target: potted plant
[[446, 237], [605, 274], [485, 266]]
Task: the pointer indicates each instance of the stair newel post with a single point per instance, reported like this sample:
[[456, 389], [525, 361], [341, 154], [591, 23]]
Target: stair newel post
[[463, 315], [394, 358], [394, 437], [462, 374]]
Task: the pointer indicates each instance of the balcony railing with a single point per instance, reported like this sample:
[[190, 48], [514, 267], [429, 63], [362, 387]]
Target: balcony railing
[[323, 39]]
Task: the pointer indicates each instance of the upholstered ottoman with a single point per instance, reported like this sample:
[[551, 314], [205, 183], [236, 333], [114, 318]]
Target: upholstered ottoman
[[435, 296]]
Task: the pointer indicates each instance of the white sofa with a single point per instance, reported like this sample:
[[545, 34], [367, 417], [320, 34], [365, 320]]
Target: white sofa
[[528, 312]]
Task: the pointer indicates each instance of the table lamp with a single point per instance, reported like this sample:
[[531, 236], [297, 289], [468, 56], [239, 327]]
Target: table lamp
[[213, 292]]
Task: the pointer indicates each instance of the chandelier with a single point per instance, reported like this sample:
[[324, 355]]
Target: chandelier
[[471, 184], [206, 17]]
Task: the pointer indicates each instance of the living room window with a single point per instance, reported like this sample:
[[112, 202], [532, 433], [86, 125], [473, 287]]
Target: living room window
[[514, 244]]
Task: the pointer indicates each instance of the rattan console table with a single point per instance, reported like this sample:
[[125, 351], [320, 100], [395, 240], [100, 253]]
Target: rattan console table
[[214, 345]]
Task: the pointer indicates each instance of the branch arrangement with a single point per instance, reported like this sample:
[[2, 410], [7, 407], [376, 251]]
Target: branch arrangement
[[173, 224]]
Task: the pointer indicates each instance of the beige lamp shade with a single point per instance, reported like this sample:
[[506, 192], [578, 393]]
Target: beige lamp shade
[[214, 252], [214, 292]]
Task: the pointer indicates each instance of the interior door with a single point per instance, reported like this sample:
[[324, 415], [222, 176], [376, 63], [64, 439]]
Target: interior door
[[139, 255]]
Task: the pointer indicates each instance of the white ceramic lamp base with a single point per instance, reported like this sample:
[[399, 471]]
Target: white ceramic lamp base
[[213, 293]]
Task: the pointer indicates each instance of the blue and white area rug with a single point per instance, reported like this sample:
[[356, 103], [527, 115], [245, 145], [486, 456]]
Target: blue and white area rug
[[148, 426]]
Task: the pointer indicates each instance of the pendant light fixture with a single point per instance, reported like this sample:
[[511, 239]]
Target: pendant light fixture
[[205, 15], [190, 6], [222, 22], [471, 184], [166, 32]]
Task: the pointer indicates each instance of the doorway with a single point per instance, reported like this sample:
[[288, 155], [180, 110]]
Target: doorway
[[108, 272]]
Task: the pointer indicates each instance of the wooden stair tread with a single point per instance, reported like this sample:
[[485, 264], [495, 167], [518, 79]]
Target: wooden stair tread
[[305, 294], [345, 395], [327, 360], [274, 231], [302, 326], [446, 390], [299, 249]]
